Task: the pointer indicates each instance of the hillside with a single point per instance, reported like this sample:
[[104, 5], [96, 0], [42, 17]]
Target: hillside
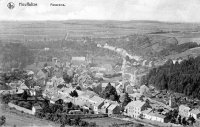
[[181, 77], [150, 39]]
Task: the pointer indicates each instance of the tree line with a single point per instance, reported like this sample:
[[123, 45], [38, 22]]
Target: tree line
[[183, 77], [16, 55]]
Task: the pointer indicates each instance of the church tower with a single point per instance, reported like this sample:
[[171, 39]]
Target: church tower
[[172, 102]]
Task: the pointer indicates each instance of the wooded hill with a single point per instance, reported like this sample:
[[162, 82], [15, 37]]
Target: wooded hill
[[183, 77]]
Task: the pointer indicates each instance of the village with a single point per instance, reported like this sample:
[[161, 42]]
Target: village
[[92, 91]]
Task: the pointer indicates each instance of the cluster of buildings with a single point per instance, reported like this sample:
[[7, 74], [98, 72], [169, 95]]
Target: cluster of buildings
[[186, 111], [50, 77], [86, 100]]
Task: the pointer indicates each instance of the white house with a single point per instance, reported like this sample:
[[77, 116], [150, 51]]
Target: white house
[[135, 108], [104, 108], [195, 113], [35, 108], [154, 116], [184, 110], [78, 60], [113, 109]]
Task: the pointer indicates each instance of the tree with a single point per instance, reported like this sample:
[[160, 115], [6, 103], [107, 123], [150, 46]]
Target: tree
[[59, 101], [63, 119], [62, 125], [2, 120], [184, 122], [16, 55], [191, 118], [98, 89], [92, 124], [78, 88], [181, 77], [25, 95], [82, 123], [67, 78], [74, 94], [77, 120], [125, 99], [110, 93], [179, 119], [6, 98]]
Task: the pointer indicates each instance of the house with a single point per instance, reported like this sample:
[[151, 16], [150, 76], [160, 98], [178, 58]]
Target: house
[[79, 102], [153, 115], [32, 92], [146, 115], [135, 108], [75, 112], [78, 60], [57, 81], [96, 103], [87, 95], [104, 108], [67, 99], [195, 113], [184, 110], [99, 75], [130, 89], [53, 100], [30, 73], [113, 109], [54, 59], [36, 108], [42, 77], [6, 89], [144, 90], [172, 101]]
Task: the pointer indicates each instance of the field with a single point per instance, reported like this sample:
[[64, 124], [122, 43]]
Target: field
[[57, 30], [39, 34], [105, 122], [19, 119]]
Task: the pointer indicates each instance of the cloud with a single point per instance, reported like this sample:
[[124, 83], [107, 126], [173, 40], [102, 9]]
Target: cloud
[[162, 10]]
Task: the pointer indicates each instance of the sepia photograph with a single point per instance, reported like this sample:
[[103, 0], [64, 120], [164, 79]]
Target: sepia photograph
[[99, 63]]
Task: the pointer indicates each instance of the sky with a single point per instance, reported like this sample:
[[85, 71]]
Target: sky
[[159, 10]]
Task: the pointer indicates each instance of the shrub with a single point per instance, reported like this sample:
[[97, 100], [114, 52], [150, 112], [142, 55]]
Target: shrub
[[2, 120], [92, 124]]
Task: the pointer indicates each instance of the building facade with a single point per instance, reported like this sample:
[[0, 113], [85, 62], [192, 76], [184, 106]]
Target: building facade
[[184, 110], [135, 108]]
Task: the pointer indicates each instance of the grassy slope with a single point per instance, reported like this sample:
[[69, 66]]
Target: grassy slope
[[14, 117]]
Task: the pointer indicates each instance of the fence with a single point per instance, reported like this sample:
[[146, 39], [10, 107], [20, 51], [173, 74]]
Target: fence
[[84, 116], [20, 108]]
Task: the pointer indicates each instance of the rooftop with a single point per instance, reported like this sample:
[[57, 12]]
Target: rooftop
[[112, 106], [97, 99], [147, 111], [106, 105], [184, 106], [195, 111], [156, 114], [137, 103]]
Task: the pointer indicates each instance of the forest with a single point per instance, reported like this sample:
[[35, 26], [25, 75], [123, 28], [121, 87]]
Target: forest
[[181, 77], [16, 55]]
